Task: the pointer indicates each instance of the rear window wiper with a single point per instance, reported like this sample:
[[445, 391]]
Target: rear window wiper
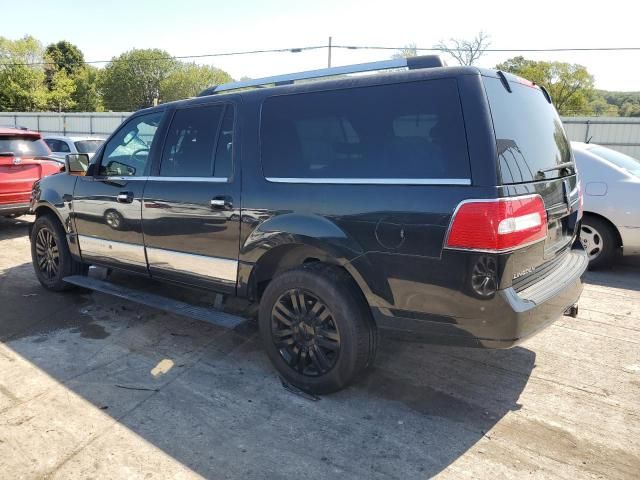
[[560, 166]]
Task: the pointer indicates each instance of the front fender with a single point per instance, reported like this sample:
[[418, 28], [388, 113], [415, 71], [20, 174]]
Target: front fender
[[53, 195]]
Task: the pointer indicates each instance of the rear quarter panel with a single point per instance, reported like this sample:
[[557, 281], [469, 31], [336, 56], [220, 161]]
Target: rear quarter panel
[[390, 237]]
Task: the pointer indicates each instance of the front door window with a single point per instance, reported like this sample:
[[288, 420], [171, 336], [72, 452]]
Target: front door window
[[127, 153]]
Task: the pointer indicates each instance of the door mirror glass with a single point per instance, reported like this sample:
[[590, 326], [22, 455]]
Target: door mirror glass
[[76, 164]]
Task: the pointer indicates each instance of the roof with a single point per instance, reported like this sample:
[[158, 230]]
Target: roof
[[18, 132], [328, 84], [74, 138]]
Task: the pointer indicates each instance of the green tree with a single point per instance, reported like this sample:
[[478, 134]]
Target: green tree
[[62, 56], [188, 80], [132, 80], [62, 88], [570, 85], [21, 85], [87, 96]]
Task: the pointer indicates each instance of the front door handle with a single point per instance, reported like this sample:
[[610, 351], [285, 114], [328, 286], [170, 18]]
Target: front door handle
[[125, 197], [221, 203]]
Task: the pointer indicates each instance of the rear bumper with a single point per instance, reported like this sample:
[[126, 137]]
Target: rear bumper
[[14, 209], [504, 320]]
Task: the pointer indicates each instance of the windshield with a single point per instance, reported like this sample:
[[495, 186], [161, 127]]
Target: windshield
[[88, 146], [24, 146], [529, 134], [630, 164]]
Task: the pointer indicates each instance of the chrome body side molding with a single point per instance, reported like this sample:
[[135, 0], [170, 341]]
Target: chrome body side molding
[[121, 252], [211, 268]]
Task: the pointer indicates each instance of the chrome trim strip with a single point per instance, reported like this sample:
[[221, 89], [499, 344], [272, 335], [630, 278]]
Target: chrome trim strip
[[212, 268], [374, 181], [170, 179], [115, 251]]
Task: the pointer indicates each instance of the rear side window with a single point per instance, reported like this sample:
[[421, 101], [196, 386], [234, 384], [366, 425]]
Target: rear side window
[[57, 145], [24, 146], [189, 148], [529, 134], [400, 131], [199, 143]]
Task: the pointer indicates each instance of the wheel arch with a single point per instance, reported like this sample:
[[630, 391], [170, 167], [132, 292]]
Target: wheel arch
[[291, 240], [604, 219]]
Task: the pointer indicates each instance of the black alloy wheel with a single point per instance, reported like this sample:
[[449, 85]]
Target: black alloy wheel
[[51, 258], [47, 253], [316, 327], [305, 333]]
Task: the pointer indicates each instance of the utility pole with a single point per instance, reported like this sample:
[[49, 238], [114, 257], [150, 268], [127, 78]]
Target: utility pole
[[329, 59]]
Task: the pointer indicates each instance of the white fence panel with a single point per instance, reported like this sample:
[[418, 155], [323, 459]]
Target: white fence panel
[[51, 123], [619, 133]]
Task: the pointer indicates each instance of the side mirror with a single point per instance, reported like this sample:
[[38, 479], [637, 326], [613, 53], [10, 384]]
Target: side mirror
[[76, 164]]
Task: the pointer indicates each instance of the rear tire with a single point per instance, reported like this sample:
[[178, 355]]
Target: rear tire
[[316, 327], [52, 260], [599, 241]]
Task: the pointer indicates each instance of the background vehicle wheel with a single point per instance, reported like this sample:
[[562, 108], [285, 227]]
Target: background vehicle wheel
[[50, 254], [599, 241], [316, 327], [114, 219]]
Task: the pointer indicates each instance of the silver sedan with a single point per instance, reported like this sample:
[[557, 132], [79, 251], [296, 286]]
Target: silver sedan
[[611, 184]]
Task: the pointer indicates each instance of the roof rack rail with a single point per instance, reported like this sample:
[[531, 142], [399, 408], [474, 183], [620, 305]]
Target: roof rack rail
[[412, 63]]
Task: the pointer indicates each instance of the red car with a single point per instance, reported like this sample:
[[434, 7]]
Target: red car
[[24, 158]]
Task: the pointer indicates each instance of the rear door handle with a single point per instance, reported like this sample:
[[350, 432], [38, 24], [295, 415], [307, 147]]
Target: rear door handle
[[221, 203], [125, 197]]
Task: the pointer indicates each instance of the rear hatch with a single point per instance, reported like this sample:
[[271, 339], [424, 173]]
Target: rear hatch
[[534, 158], [23, 160]]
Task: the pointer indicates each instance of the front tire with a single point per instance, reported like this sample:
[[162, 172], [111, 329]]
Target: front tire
[[52, 260], [316, 327]]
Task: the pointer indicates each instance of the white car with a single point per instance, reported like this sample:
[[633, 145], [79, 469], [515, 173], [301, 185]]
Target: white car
[[611, 186], [61, 146]]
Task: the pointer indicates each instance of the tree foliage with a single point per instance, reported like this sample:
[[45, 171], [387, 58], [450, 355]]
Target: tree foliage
[[464, 51], [21, 86], [570, 85], [188, 80], [627, 103], [132, 80], [60, 95], [87, 96]]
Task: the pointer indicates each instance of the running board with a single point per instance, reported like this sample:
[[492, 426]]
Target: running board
[[215, 317]]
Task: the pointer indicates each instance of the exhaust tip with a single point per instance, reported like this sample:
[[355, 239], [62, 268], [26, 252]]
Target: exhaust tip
[[572, 311]]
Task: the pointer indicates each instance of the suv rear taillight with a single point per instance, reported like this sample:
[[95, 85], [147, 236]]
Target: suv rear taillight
[[498, 225]]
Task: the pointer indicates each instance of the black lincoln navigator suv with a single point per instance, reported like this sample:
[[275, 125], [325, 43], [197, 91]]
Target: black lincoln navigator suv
[[441, 203]]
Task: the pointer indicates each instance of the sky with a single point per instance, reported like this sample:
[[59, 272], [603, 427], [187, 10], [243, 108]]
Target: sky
[[104, 29]]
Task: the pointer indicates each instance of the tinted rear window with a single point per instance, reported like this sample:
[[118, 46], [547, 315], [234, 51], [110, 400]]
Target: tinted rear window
[[88, 146], [24, 146], [529, 133], [399, 131]]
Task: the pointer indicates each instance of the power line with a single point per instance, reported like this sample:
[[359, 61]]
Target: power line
[[503, 50], [344, 47], [181, 57]]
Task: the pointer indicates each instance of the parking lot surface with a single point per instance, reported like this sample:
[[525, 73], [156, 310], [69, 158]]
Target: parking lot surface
[[95, 387]]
